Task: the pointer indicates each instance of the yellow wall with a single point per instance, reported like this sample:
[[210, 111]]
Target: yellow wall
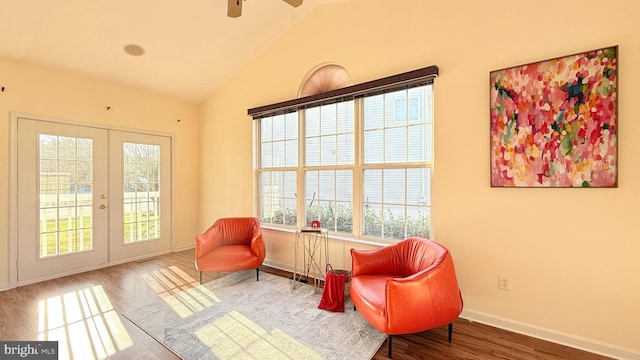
[[573, 255], [57, 95]]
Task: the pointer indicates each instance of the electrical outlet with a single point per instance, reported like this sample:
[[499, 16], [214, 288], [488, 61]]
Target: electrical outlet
[[504, 282]]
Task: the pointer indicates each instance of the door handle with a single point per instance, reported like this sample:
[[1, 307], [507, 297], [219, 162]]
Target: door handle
[[103, 206]]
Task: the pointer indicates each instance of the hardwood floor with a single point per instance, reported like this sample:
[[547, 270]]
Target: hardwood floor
[[83, 312]]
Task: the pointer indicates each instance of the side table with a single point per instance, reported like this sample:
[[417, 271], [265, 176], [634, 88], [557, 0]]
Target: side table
[[314, 244]]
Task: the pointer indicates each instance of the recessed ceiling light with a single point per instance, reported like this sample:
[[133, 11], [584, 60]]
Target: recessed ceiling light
[[134, 50]]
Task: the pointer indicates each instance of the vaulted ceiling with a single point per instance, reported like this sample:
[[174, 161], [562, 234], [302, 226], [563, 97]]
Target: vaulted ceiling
[[190, 46]]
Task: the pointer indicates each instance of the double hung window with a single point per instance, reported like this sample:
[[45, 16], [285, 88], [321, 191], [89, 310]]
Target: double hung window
[[361, 164]]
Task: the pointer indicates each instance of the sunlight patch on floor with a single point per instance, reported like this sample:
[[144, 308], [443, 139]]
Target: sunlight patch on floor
[[168, 281], [234, 336], [84, 323], [180, 291], [192, 301]]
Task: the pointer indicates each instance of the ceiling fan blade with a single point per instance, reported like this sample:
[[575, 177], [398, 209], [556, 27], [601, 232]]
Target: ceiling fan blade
[[234, 8], [294, 3]]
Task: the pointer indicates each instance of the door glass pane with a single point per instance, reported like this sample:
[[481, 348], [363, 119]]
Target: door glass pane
[[141, 169], [65, 195]]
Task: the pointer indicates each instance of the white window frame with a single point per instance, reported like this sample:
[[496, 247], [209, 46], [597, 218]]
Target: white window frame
[[416, 78]]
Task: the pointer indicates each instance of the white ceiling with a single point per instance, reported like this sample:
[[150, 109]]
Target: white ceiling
[[191, 46]]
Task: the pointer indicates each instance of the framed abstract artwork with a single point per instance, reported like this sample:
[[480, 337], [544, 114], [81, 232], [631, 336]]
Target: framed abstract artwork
[[554, 123]]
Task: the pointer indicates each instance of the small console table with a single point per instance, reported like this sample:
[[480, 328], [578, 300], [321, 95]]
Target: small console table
[[314, 244]]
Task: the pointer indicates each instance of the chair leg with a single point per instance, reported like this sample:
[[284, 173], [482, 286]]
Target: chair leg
[[389, 342], [257, 274], [200, 272], [450, 331]]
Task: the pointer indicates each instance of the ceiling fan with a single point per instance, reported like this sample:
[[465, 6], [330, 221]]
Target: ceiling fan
[[234, 8]]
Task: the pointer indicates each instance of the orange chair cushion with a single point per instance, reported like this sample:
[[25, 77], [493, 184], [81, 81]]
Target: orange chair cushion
[[229, 258]]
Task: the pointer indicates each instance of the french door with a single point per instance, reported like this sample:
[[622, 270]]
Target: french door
[[88, 197], [140, 189]]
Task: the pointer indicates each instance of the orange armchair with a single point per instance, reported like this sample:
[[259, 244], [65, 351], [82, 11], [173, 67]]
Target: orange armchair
[[406, 287], [230, 244]]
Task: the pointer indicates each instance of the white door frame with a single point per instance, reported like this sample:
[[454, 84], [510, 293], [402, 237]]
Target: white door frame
[[13, 187]]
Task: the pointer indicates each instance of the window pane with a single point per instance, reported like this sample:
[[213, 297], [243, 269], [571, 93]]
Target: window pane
[[328, 119], [418, 144], [311, 186], [291, 126], [373, 112], [328, 198], [394, 222], [85, 149], [313, 151], [312, 123], [429, 140], [141, 167], [344, 217], [289, 185], [344, 185], [289, 212], [418, 221], [291, 153], [413, 110], [394, 186], [372, 191], [278, 127], [418, 185], [395, 145], [345, 149], [328, 150], [373, 147], [400, 111], [266, 130], [345, 117], [266, 154], [327, 185], [277, 197], [67, 148], [278, 154], [372, 220]]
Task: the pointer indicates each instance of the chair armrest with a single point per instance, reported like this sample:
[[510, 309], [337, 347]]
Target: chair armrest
[[207, 241], [380, 261], [257, 246]]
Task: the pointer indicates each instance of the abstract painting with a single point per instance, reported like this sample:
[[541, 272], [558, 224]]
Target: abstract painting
[[554, 123]]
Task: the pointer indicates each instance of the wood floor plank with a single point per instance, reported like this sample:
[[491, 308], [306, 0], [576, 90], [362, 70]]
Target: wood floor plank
[[83, 312]]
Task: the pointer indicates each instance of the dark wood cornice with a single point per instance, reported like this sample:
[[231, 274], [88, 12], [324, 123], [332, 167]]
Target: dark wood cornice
[[395, 82]]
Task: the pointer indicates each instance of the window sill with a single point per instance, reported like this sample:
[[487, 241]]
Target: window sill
[[333, 236]]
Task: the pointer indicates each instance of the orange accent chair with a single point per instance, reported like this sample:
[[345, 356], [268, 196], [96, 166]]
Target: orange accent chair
[[407, 287], [231, 244]]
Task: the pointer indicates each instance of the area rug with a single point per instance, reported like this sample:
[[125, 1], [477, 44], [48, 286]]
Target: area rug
[[237, 317]]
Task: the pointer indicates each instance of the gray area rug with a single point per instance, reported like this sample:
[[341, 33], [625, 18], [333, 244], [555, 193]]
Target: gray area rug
[[237, 317]]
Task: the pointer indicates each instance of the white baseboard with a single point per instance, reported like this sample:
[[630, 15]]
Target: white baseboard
[[5, 286], [91, 268], [183, 247], [277, 265], [590, 345]]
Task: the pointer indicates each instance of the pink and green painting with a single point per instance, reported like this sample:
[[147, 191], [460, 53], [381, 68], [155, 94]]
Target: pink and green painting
[[554, 123]]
